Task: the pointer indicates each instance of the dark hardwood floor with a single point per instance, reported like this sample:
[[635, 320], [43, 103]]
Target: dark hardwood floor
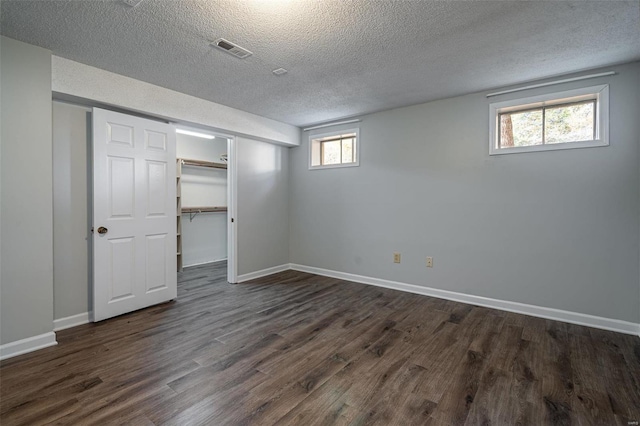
[[299, 349]]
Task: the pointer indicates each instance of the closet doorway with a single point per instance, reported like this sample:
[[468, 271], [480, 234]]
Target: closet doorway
[[204, 199]]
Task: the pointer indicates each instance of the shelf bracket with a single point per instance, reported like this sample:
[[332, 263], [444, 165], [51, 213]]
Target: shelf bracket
[[192, 215]]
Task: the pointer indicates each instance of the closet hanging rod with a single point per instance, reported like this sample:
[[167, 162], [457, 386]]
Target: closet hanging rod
[[200, 163], [195, 211]]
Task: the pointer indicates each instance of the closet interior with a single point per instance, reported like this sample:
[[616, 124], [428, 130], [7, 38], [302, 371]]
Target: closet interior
[[201, 191]]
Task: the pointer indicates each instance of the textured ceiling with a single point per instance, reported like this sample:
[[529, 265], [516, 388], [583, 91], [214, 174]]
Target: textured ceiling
[[344, 57]]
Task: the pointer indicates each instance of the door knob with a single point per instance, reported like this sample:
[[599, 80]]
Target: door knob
[[102, 230]]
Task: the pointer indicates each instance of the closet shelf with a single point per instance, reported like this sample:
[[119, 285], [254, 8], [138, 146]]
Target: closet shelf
[[203, 209], [199, 163]]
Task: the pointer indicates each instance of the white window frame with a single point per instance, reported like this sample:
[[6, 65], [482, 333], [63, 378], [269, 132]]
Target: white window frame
[[599, 93], [336, 133]]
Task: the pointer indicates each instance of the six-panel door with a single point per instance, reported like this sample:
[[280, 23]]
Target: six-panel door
[[134, 258]]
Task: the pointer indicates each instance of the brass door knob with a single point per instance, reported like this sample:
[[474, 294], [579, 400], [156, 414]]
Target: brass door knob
[[102, 230]]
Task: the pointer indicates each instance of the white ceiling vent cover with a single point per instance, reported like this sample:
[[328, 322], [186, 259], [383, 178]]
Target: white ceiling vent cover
[[132, 3], [232, 48]]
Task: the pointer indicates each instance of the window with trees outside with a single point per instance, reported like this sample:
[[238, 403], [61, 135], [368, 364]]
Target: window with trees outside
[[562, 120], [331, 150]]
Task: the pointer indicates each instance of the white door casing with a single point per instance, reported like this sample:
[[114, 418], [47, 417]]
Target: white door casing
[[134, 199], [232, 229]]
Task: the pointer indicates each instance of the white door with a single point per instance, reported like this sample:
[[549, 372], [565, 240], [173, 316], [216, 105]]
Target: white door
[[134, 213]]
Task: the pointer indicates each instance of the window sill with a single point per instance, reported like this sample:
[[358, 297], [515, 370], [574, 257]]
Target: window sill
[[334, 166], [550, 147]]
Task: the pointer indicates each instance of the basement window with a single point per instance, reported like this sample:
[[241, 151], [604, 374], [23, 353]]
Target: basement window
[[562, 120], [331, 150]]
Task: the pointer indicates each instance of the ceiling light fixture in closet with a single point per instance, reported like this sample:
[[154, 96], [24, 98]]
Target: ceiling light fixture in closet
[[196, 134]]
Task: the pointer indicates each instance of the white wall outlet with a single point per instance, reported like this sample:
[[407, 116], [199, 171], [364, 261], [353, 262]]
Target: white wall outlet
[[429, 262], [396, 257]]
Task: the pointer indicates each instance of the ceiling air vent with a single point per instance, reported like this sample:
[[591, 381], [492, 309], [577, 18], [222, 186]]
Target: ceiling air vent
[[132, 3], [232, 48]]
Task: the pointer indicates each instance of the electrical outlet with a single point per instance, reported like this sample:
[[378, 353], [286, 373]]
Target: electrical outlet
[[396, 257], [429, 262]]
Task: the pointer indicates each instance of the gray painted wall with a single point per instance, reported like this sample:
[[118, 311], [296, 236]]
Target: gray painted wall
[[71, 224], [26, 292], [263, 199], [555, 229]]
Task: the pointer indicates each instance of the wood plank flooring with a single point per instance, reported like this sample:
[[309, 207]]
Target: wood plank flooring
[[299, 349]]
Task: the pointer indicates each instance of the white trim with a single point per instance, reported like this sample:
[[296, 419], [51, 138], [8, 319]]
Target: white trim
[[549, 147], [601, 93], [72, 321], [550, 83], [205, 263], [27, 345], [503, 305], [232, 209], [263, 273]]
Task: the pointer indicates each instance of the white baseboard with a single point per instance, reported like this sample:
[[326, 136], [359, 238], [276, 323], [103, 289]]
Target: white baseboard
[[504, 305], [29, 344], [263, 272], [205, 263], [72, 321]]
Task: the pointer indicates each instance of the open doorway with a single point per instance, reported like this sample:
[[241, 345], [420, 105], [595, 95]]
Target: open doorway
[[205, 230], [72, 191]]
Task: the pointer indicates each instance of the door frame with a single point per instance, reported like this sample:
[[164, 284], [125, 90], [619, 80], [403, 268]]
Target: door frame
[[232, 208]]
